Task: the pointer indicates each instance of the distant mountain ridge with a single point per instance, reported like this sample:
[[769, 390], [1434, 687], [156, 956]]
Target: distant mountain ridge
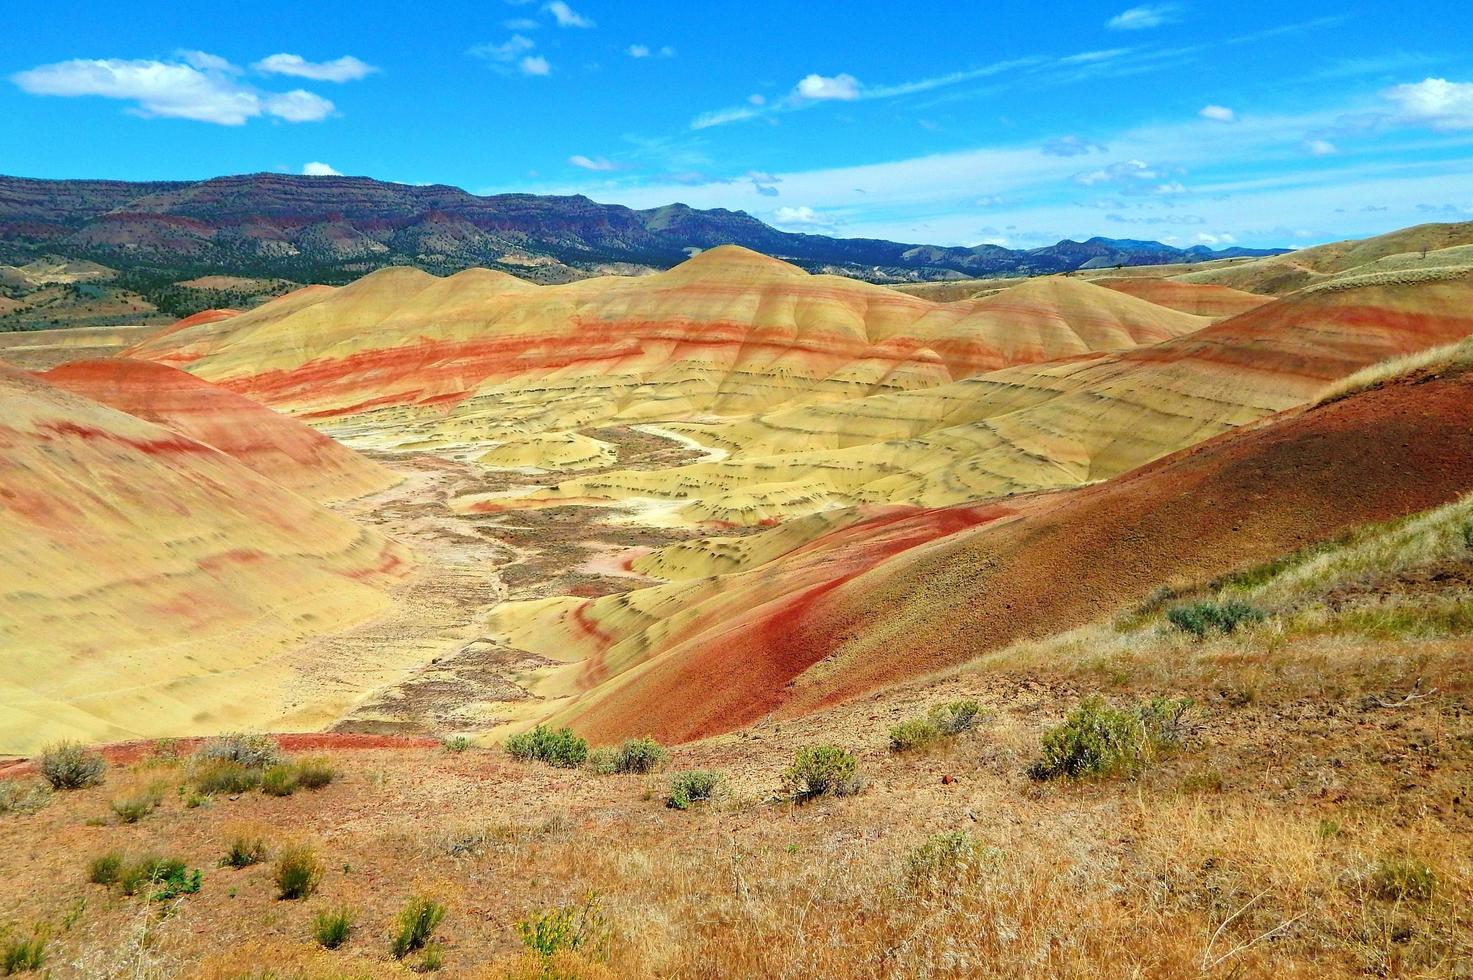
[[333, 229]]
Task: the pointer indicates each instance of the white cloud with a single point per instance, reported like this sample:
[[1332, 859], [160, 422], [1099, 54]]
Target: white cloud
[[1221, 238], [1435, 102], [757, 98], [344, 69], [1139, 18], [1123, 172], [818, 88], [721, 117], [638, 51], [1218, 113], [1321, 148], [534, 65], [565, 15], [591, 163], [800, 216], [319, 169], [1172, 187], [203, 88], [508, 50], [1071, 146]]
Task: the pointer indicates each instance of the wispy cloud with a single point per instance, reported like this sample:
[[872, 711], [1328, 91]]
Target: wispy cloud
[[344, 69], [1141, 18], [513, 54], [566, 16], [591, 163], [1218, 113]]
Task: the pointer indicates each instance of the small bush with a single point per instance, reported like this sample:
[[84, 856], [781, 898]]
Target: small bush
[[22, 954], [946, 861], [456, 744], [251, 751], [556, 748], [431, 959], [331, 927], [1098, 740], [955, 717], [913, 734], [16, 797], [315, 773], [415, 925], [105, 868], [279, 780], [171, 873], [131, 809], [578, 928], [67, 765], [636, 755], [692, 786], [175, 881], [822, 770], [244, 851], [298, 872], [1403, 880], [1202, 618], [223, 776]]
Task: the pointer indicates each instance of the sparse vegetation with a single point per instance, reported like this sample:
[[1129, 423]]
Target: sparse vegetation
[[279, 780], [1099, 740], [692, 786], [414, 926], [635, 755], [456, 744], [298, 872], [171, 876], [17, 797], [67, 765], [822, 770], [570, 928], [22, 954], [1404, 879], [131, 809], [225, 777], [946, 861], [174, 881], [105, 869], [955, 717], [1203, 618], [315, 773], [559, 748], [244, 851], [250, 751], [913, 734], [331, 927], [942, 721]]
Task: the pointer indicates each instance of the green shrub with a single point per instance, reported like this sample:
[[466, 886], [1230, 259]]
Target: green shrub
[[315, 773], [415, 925], [636, 755], [298, 872], [913, 734], [131, 809], [946, 861], [17, 797], [22, 954], [581, 928], [1098, 740], [556, 748], [251, 751], [175, 881], [955, 717], [279, 780], [223, 776], [244, 851], [67, 765], [456, 744], [171, 873], [822, 770], [692, 786], [105, 868], [1202, 618], [1403, 880], [331, 927]]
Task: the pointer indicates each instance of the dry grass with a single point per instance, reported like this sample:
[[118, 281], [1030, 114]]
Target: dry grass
[[1434, 360]]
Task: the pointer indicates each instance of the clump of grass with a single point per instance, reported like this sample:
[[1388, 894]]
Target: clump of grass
[[171, 875], [414, 926], [576, 928], [636, 755], [244, 851], [279, 780], [693, 786], [955, 717], [298, 872], [431, 959], [1403, 879], [913, 734], [315, 773], [1099, 740], [17, 797], [67, 765], [1202, 618], [105, 869], [225, 777], [331, 927], [251, 751], [22, 954], [456, 744], [559, 748], [822, 770], [131, 809], [947, 861]]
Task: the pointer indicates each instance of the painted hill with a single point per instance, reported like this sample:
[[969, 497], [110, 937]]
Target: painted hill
[[149, 582], [275, 446]]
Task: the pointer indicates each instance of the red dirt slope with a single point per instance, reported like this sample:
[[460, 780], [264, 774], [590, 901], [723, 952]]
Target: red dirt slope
[[1065, 559], [274, 445]]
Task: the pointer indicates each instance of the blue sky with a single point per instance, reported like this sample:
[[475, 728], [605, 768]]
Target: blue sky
[[1254, 123]]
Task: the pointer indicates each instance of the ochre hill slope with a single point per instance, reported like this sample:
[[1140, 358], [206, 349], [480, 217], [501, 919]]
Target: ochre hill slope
[[150, 584], [1199, 299], [1038, 426], [813, 627], [402, 358], [274, 445]]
